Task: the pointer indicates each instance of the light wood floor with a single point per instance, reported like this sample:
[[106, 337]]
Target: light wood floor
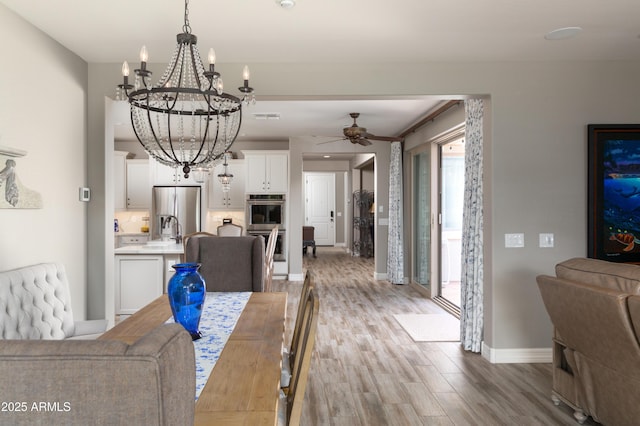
[[367, 371]]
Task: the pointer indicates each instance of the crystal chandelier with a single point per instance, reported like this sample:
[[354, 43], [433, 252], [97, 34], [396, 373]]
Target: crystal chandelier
[[225, 178], [185, 120]]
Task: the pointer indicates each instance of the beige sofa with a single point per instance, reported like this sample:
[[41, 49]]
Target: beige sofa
[[99, 382], [595, 309]]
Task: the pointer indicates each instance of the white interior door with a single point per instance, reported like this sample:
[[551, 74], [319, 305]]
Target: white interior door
[[320, 201]]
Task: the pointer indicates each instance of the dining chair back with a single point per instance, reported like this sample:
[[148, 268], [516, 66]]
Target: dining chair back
[[289, 354], [186, 238], [300, 372], [229, 230], [308, 239], [268, 258], [229, 264]]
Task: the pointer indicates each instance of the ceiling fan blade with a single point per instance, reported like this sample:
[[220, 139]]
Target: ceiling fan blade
[[362, 141], [383, 138], [332, 140]]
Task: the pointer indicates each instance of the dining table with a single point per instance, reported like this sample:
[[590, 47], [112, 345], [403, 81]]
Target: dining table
[[243, 387]]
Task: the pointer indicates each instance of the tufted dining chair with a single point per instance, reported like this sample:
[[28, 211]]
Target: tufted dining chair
[[230, 230], [35, 304]]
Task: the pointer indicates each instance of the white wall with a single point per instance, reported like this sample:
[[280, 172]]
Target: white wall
[[535, 174], [535, 164], [43, 111]]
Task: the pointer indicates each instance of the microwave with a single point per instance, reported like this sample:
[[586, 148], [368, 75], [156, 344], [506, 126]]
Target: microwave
[[264, 211]]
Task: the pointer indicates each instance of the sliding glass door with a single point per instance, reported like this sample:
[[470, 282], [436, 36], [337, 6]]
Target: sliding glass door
[[451, 199], [421, 179], [437, 188]]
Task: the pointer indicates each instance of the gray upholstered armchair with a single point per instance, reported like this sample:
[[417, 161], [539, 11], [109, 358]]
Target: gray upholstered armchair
[[35, 304], [229, 264], [100, 382]]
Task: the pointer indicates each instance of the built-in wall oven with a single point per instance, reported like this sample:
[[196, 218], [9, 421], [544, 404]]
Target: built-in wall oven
[[264, 211]]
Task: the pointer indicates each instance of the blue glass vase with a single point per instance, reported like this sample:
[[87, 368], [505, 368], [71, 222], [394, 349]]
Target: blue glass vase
[[186, 291]]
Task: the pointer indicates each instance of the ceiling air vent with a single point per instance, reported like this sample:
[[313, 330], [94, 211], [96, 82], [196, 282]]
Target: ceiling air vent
[[266, 115]]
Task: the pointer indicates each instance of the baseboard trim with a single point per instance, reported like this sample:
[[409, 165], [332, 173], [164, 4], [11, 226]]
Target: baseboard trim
[[340, 245], [517, 355], [378, 276], [296, 277]]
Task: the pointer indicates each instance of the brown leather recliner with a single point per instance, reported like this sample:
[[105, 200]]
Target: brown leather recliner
[[595, 309]]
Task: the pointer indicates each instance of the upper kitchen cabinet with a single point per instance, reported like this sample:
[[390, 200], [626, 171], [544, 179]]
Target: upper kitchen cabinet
[[167, 175], [138, 188], [119, 180], [131, 182], [266, 171], [234, 198]]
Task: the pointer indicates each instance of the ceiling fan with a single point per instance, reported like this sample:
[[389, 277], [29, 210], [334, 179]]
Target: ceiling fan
[[359, 135]]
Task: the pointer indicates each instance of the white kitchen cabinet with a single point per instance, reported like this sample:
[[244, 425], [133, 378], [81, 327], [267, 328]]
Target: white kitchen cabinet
[[138, 281], [131, 240], [235, 198], [138, 187], [169, 261], [266, 172], [119, 180], [168, 175]]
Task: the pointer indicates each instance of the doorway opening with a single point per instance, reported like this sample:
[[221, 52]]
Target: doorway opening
[[320, 206], [451, 200], [437, 195]]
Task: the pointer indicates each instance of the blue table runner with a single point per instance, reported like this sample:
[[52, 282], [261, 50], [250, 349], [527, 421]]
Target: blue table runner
[[219, 317]]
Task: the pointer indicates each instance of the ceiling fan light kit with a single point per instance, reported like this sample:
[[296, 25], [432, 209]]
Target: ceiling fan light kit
[[185, 120], [563, 33]]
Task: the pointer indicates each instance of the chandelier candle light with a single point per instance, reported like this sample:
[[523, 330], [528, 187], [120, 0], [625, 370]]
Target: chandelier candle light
[[186, 120]]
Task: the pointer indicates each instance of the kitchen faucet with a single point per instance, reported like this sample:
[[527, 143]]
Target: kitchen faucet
[[176, 229]]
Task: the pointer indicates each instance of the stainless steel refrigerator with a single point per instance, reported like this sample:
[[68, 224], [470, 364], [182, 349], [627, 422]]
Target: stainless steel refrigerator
[[175, 211]]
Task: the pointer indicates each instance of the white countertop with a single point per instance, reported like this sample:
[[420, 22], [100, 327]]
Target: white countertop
[[151, 249]]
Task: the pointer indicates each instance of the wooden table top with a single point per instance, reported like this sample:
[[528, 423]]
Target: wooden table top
[[243, 387]]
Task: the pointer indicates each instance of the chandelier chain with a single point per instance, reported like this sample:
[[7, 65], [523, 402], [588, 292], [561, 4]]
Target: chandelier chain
[[186, 27]]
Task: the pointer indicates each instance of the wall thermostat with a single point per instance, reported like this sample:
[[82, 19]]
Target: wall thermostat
[[84, 194]]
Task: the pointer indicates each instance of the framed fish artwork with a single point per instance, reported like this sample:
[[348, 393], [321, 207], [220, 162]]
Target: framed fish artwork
[[614, 192]]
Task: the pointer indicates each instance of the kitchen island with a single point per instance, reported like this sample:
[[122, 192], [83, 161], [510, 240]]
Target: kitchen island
[[142, 273]]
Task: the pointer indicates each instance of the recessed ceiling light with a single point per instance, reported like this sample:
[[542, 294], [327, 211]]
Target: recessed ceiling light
[[563, 33], [286, 4], [326, 156], [266, 115]]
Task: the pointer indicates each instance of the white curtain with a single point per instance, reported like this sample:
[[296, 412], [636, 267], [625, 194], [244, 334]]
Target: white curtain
[[395, 258], [471, 307]]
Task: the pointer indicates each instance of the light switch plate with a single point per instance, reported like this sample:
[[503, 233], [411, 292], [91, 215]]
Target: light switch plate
[[513, 240], [546, 240]]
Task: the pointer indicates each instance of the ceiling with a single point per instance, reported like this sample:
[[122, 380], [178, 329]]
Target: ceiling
[[339, 31]]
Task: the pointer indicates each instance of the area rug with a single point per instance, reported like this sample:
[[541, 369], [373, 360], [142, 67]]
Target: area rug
[[430, 327]]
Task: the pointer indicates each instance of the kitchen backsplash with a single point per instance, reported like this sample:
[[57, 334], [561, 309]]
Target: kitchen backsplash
[[214, 219], [131, 221]]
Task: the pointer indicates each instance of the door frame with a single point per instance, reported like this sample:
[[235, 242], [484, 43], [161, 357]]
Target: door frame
[[332, 202], [435, 274]]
